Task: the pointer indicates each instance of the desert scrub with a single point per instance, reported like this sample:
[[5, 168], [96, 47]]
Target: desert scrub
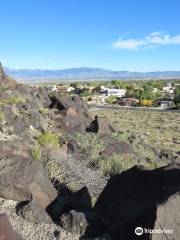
[[89, 144], [43, 110], [53, 168], [15, 99], [49, 139], [1, 117], [116, 163], [123, 136], [2, 88], [37, 152], [144, 152]]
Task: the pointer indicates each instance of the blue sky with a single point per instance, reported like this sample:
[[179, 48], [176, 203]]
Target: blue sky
[[134, 35]]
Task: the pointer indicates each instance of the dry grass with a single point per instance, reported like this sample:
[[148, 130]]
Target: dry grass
[[160, 130]]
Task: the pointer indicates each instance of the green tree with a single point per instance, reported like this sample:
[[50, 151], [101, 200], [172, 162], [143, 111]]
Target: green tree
[[111, 99], [118, 84], [146, 92], [177, 95]]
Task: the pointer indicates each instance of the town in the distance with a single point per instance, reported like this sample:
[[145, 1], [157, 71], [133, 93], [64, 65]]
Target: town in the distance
[[156, 93]]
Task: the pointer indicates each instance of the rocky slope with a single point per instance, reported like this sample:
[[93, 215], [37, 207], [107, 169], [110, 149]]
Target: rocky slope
[[59, 182]]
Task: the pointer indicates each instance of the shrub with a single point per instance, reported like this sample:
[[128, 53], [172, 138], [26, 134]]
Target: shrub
[[43, 110], [49, 139], [86, 93], [122, 136], [90, 144], [53, 169], [36, 152], [14, 100], [116, 164], [144, 152], [1, 117], [111, 99], [2, 88]]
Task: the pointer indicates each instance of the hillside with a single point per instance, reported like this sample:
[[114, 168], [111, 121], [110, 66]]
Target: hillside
[[64, 178]]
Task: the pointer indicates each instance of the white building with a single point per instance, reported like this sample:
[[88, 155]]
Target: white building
[[114, 92], [54, 88], [155, 90], [168, 88], [70, 89]]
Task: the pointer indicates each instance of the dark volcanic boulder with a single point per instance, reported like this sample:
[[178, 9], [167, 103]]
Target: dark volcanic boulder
[[136, 198], [72, 115], [21, 178], [32, 212], [105, 126], [118, 148]]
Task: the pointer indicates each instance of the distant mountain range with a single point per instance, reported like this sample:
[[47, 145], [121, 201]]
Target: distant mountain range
[[84, 73]]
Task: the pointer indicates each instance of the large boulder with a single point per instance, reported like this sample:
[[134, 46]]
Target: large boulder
[[6, 229], [136, 198], [21, 177], [32, 212], [72, 115]]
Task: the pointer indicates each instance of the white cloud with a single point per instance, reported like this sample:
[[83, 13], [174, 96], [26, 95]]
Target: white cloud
[[151, 40]]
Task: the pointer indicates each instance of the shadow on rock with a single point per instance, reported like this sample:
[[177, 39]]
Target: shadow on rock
[[137, 198], [67, 201]]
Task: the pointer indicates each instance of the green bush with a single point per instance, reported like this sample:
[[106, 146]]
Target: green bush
[[53, 169], [144, 152], [2, 88], [36, 152], [116, 163], [86, 93], [90, 144], [14, 100], [49, 139], [43, 110], [111, 99], [1, 117], [122, 136]]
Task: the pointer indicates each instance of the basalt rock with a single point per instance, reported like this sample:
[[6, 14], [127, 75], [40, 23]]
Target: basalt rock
[[72, 115], [32, 212], [22, 178]]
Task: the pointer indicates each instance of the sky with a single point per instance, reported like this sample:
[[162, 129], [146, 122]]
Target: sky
[[132, 35]]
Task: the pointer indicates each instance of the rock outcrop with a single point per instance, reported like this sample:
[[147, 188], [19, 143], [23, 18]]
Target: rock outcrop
[[72, 115], [22, 178], [32, 212]]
